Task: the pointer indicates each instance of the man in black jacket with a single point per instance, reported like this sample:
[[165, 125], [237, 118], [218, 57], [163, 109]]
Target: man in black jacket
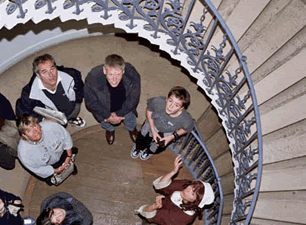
[[57, 88], [112, 92]]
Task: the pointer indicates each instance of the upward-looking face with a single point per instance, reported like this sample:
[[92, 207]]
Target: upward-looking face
[[48, 75], [189, 194], [113, 75], [1, 204], [33, 132], [57, 215], [174, 106]]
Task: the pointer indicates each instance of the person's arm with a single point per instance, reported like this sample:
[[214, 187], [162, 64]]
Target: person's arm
[[156, 205], [67, 146], [151, 123], [25, 105], [65, 164], [177, 166], [68, 158], [132, 99], [171, 137], [78, 85], [41, 171], [67, 140], [59, 169], [93, 104], [150, 211], [34, 165]]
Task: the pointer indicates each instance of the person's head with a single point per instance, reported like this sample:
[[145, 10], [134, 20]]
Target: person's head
[[1, 205], [51, 216], [114, 69], [193, 192], [177, 100], [29, 128], [195, 195], [44, 67]]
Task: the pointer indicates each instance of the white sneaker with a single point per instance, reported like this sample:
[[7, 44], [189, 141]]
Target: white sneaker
[[145, 155], [78, 121], [135, 152]]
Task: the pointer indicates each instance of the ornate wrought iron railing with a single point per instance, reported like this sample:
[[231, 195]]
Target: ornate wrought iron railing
[[199, 162], [193, 32]]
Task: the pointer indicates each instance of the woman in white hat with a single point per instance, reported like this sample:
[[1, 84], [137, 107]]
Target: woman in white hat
[[181, 201]]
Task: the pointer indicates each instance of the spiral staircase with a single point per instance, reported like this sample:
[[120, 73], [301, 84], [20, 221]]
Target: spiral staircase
[[194, 33]]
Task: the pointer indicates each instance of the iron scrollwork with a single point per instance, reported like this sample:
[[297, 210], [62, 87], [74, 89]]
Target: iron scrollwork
[[13, 5], [41, 3]]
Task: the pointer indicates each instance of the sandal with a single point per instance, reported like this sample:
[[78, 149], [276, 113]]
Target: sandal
[[78, 121]]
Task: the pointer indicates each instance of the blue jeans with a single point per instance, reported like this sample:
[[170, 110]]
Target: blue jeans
[[130, 123]]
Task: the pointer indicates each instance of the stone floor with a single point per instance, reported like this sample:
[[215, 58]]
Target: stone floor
[[109, 182]]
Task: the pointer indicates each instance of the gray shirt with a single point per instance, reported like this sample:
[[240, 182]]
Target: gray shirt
[[165, 123], [40, 157]]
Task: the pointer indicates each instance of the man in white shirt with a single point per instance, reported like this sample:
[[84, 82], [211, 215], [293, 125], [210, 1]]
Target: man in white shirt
[[57, 88]]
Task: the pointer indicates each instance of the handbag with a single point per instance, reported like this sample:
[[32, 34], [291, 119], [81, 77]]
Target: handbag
[[57, 179]]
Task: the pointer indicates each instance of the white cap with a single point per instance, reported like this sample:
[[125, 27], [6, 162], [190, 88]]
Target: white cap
[[209, 195]]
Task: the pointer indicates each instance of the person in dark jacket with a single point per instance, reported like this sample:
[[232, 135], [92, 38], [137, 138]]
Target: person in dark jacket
[[62, 208], [54, 87], [9, 135], [10, 206], [112, 94]]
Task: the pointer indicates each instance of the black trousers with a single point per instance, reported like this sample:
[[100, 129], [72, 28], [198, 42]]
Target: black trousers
[[144, 142]]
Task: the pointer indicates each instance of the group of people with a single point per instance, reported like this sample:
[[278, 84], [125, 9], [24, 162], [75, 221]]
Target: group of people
[[111, 92]]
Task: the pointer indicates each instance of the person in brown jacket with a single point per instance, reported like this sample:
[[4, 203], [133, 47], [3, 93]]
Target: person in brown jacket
[[180, 202]]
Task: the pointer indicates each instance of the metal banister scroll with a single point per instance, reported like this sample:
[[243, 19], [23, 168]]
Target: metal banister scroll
[[194, 33]]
